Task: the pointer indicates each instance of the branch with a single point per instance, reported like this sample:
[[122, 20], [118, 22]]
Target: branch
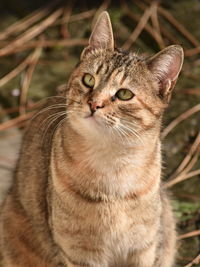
[[13, 122], [48, 43], [31, 33], [181, 178], [194, 262], [140, 26], [179, 119], [27, 79], [26, 22], [189, 155], [190, 234], [16, 70]]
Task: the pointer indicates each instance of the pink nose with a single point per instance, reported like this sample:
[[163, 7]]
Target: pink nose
[[94, 105]]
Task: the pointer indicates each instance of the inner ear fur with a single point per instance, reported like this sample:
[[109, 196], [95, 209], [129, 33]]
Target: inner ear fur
[[101, 36], [166, 66]]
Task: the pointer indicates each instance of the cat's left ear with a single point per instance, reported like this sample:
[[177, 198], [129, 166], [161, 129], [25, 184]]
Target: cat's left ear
[[102, 35], [166, 66]]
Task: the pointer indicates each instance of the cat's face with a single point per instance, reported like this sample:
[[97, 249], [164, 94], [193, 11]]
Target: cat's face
[[117, 94], [114, 94]]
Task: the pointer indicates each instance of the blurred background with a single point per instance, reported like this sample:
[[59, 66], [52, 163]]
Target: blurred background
[[40, 44]]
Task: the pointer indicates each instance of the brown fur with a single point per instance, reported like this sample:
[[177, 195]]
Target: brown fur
[[87, 189]]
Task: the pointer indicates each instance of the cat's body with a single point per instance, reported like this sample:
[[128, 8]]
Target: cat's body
[[92, 195]]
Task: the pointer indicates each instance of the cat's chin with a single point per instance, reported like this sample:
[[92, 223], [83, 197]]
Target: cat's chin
[[94, 124], [90, 126], [93, 120], [93, 127]]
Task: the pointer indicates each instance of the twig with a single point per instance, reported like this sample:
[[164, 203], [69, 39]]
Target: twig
[[190, 234], [13, 122], [195, 261], [192, 52], [140, 26], [179, 119], [26, 22], [65, 19], [172, 39], [16, 108], [190, 197], [136, 18], [16, 70], [156, 25], [166, 14], [181, 178], [9, 110], [189, 155], [76, 17], [164, 30], [188, 162], [179, 26], [155, 22], [31, 33], [180, 258], [192, 91], [27, 79], [48, 43], [191, 163]]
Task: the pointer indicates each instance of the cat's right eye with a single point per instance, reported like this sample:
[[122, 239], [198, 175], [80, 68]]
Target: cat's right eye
[[124, 94], [88, 80]]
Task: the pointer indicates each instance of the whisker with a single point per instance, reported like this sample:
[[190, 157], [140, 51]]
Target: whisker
[[56, 127], [131, 123], [124, 133], [132, 131], [119, 132], [56, 106], [52, 119], [47, 109], [58, 114], [53, 115]]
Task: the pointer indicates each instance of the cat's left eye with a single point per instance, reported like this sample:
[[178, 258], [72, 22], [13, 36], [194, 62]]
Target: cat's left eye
[[124, 94], [88, 80]]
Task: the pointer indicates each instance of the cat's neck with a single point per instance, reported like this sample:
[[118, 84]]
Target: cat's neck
[[106, 170]]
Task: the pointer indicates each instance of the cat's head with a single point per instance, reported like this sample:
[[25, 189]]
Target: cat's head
[[116, 93]]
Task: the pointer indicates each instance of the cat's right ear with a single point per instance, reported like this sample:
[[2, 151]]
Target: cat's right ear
[[166, 66], [102, 35]]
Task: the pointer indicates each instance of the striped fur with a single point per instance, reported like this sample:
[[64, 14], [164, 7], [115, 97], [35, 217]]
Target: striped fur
[[87, 188]]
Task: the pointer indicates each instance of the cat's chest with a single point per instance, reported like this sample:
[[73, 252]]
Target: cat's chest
[[112, 230]]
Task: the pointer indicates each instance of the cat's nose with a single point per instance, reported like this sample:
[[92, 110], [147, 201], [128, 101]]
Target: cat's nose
[[94, 105]]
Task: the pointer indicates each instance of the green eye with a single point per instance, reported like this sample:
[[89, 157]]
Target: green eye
[[88, 80], [124, 94]]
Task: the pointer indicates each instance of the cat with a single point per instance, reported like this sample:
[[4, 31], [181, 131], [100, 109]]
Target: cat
[[87, 189]]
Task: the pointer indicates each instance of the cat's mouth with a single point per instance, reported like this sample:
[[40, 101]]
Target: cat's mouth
[[93, 118], [88, 116]]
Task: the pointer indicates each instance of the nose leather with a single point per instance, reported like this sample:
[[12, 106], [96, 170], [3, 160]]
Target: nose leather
[[94, 105]]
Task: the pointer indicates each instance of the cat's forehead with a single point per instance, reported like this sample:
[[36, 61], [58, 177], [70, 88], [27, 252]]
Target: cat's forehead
[[101, 62]]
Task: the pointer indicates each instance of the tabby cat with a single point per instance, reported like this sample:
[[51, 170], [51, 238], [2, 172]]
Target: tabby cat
[[87, 188]]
